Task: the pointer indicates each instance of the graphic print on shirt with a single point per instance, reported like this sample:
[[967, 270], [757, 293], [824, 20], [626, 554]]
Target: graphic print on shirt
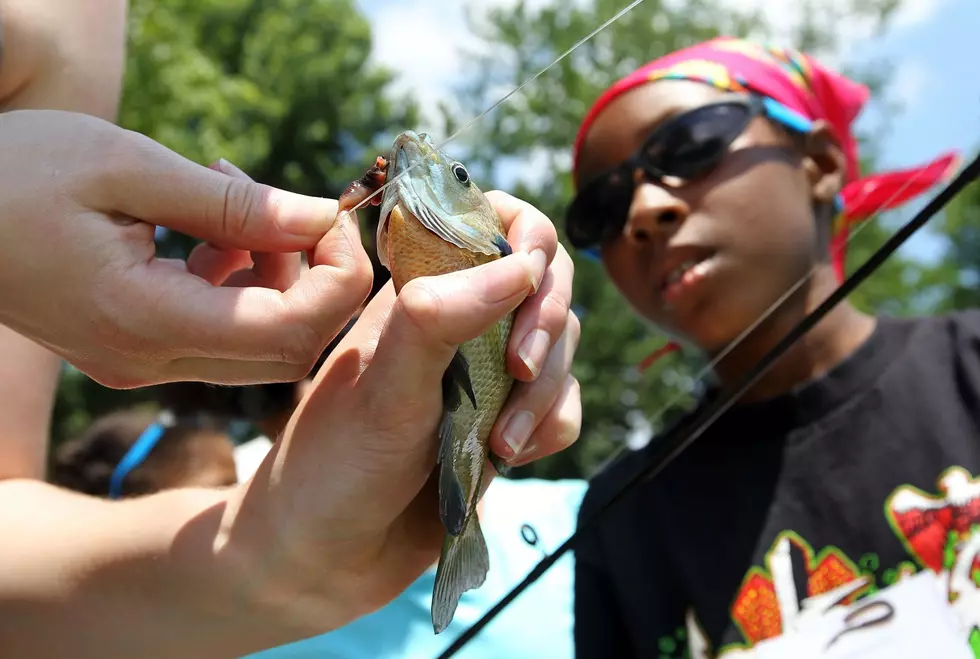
[[940, 532]]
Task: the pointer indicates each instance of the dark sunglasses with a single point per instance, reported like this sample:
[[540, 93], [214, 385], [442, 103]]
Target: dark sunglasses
[[687, 147]]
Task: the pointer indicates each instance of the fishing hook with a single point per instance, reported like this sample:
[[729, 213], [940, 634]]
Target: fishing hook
[[676, 443]]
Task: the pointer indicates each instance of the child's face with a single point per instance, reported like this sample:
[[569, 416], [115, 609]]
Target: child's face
[[748, 224]]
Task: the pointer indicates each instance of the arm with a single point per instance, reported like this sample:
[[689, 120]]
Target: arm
[[84, 577], [57, 54]]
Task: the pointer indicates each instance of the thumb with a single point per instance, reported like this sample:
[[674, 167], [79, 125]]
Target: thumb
[[147, 181], [430, 318]]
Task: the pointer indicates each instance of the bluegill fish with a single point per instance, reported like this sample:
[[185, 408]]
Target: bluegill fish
[[435, 220]]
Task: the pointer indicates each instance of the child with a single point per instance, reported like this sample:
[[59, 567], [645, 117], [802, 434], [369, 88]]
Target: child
[[712, 181], [136, 452]]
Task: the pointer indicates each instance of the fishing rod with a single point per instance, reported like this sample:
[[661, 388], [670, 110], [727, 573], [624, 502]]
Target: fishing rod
[[675, 444]]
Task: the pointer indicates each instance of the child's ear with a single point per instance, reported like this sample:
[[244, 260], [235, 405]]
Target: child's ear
[[824, 162]]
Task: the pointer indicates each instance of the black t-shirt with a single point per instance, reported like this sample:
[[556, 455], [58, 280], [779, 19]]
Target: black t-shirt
[[870, 470]]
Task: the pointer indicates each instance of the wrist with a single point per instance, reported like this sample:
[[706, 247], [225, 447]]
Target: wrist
[[272, 571]]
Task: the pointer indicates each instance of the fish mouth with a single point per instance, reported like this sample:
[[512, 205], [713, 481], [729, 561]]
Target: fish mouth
[[400, 189], [407, 149]]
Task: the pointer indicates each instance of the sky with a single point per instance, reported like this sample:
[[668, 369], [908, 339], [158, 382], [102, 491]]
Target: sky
[[928, 44]]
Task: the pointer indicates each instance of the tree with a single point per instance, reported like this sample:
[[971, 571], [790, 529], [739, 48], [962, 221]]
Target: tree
[[955, 278], [281, 88], [538, 124]]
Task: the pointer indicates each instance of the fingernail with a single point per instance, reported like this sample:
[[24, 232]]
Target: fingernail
[[539, 263], [518, 431], [301, 215], [534, 350]]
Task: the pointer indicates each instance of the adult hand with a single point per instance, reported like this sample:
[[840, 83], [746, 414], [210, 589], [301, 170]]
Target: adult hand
[[80, 202], [342, 515]]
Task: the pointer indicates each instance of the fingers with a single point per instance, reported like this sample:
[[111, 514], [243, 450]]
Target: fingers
[[236, 267], [270, 270], [144, 180], [541, 320], [531, 403], [559, 429], [527, 227], [214, 264], [234, 328]]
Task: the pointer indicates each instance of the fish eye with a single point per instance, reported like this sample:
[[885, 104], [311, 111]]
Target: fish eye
[[460, 173]]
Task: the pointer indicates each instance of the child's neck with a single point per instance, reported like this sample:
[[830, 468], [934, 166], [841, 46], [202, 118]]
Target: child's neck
[[831, 341]]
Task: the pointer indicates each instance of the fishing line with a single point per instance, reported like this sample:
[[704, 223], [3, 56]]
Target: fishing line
[[710, 366], [490, 109], [675, 444]]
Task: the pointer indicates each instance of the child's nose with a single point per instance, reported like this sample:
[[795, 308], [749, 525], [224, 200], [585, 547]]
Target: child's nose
[[654, 214]]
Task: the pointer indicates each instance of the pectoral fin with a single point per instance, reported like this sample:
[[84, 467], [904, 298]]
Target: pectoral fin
[[457, 377], [503, 245], [452, 501], [498, 463]]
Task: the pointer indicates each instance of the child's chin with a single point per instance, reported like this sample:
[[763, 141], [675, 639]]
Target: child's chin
[[708, 332]]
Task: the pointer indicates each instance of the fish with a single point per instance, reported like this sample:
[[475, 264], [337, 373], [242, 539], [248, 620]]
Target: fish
[[435, 220]]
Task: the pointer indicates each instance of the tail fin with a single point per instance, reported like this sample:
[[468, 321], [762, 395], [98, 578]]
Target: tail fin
[[463, 566]]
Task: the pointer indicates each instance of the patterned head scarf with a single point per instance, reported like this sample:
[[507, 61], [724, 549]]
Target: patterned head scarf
[[801, 84]]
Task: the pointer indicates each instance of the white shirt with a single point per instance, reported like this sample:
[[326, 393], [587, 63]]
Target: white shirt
[[249, 455]]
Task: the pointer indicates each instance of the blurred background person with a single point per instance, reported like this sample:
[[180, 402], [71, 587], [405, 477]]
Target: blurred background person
[[135, 452]]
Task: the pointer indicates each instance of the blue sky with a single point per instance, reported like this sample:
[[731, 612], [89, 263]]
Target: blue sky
[[938, 82], [934, 78]]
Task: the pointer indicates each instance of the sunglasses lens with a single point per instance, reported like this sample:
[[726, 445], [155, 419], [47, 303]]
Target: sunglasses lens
[[687, 147], [693, 143], [599, 210]]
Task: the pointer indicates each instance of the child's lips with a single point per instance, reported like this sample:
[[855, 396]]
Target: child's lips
[[684, 277]]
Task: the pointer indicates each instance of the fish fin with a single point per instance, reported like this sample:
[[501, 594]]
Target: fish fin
[[463, 566], [498, 463], [452, 501], [503, 245], [459, 374]]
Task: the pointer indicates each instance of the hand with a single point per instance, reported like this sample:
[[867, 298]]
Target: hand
[[342, 515], [79, 273]]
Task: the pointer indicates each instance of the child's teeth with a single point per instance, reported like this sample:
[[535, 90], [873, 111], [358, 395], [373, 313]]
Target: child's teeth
[[678, 272]]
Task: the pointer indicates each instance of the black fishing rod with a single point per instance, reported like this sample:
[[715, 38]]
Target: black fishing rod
[[675, 444]]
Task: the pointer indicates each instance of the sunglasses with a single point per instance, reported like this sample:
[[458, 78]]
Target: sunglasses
[[687, 147]]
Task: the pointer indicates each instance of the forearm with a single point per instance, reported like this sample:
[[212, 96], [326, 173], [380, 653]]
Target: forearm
[[84, 577], [28, 381]]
